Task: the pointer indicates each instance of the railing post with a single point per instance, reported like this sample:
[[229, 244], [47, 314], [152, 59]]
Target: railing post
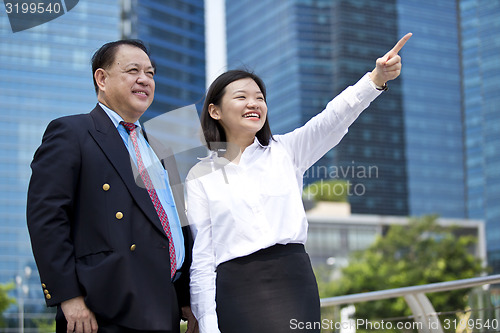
[[423, 313]]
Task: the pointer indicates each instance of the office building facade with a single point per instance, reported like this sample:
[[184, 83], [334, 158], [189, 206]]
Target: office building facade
[[335, 234], [433, 123], [45, 73], [480, 47]]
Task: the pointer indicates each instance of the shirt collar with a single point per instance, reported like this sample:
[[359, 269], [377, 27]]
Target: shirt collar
[[212, 155], [258, 142], [115, 117]]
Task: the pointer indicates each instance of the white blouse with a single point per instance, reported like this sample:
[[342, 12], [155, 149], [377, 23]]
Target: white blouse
[[237, 209]]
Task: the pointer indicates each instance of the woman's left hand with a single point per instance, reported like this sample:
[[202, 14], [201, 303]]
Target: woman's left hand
[[389, 66]]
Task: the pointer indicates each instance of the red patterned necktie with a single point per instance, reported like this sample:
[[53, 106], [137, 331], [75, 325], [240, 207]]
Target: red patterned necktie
[[154, 197]]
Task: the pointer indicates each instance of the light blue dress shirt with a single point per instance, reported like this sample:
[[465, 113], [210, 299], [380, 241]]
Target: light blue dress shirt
[[159, 178]]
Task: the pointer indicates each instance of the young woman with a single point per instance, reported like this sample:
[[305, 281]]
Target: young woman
[[250, 272]]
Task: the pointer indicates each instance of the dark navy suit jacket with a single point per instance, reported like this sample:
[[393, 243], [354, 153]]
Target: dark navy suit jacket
[[96, 233]]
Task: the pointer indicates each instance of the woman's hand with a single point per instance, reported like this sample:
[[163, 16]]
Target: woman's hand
[[389, 66]]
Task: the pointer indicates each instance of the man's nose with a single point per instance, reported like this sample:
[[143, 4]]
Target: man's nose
[[144, 78]]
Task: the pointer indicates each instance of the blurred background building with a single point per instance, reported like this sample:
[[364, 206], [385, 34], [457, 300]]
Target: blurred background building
[[44, 74], [480, 77], [433, 138], [334, 233]]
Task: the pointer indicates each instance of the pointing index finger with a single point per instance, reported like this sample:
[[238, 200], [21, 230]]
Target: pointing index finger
[[401, 43]]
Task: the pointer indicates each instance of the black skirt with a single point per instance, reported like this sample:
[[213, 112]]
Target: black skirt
[[272, 290]]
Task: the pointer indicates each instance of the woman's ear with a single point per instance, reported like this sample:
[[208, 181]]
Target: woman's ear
[[214, 111]]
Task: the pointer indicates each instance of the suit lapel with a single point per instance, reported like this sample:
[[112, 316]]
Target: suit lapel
[[110, 142]]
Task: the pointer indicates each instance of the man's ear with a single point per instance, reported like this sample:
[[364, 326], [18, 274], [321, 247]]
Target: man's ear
[[100, 77], [214, 111]]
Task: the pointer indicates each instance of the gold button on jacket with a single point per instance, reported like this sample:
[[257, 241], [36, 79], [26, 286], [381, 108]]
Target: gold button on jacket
[[119, 215], [132, 248], [105, 187]]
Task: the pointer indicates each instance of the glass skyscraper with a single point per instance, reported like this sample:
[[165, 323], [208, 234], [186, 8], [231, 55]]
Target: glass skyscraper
[[376, 141], [431, 97], [480, 43], [175, 33], [45, 73]]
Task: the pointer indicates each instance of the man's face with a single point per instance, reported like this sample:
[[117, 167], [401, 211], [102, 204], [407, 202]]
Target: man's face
[[128, 85]]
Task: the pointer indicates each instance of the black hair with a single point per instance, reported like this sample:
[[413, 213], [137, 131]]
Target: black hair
[[212, 130], [104, 57]]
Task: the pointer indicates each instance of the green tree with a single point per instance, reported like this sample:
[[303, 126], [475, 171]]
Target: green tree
[[45, 325], [421, 252], [5, 300], [327, 190]]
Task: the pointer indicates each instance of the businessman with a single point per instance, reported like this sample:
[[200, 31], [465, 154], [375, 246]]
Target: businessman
[[104, 219]]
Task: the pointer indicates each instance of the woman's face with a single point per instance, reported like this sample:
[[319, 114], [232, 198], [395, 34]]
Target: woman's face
[[242, 111]]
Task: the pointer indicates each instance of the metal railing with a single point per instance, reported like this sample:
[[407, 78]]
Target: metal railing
[[422, 309]]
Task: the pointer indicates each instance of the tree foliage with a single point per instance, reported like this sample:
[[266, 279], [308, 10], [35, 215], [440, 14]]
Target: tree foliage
[[46, 326], [5, 300], [421, 252], [327, 190]]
